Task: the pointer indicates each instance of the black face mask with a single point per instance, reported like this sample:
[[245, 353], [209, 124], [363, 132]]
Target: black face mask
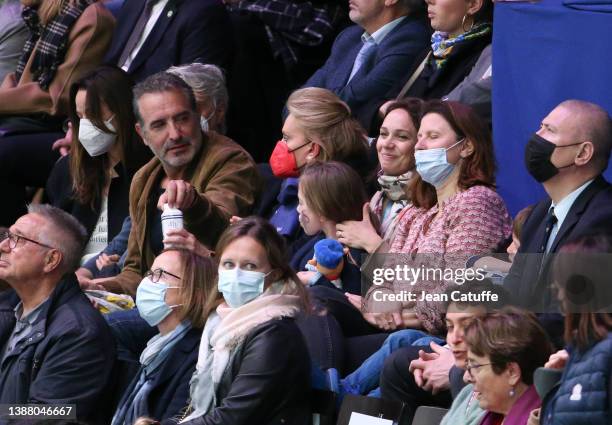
[[537, 158]]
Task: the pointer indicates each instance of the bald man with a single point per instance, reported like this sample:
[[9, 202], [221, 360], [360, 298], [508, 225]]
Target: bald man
[[567, 155]]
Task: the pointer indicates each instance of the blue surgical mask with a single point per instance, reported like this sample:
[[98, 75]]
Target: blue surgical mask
[[240, 286], [432, 165], [151, 301]]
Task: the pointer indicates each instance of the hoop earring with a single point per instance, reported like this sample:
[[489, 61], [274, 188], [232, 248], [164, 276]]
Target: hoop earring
[[463, 23]]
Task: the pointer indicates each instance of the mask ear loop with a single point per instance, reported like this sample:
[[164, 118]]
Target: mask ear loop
[[174, 305], [573, 163], [455, 144]]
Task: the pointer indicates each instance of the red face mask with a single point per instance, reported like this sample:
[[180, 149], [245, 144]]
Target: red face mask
[[283, 161]]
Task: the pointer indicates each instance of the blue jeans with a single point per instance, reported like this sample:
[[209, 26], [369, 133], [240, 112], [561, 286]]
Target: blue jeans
[[365, 379]]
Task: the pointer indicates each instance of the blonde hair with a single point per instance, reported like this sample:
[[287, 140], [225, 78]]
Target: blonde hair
[[199, 287], [326, 120], [47, 9]]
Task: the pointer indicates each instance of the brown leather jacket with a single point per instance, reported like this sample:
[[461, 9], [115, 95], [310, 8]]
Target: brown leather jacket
[[227, 183], [88, 40]]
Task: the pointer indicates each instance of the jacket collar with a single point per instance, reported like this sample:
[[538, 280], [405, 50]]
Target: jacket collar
[[187, 345], [155, 36], [66, 289], [577, 209]]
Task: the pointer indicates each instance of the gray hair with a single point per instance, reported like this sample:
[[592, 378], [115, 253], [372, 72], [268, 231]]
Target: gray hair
[[207, 81], [158, 83], [64, 232]]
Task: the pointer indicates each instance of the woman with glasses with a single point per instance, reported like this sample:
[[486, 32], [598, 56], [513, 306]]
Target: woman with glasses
[[504, 350], [173, 296], [253, 366]]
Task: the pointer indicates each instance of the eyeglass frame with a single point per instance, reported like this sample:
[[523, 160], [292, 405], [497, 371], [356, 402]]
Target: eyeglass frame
[[14, 238], [155, 275], [469, 367]]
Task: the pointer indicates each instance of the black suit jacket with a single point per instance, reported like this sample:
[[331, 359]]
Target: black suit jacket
[[529, 277], [187, 31], [376, 77]]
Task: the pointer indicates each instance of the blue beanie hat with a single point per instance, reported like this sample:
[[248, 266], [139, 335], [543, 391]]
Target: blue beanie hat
[[329, 253]]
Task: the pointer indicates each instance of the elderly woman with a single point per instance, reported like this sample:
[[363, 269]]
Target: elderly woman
[[172, 297], [504, 349], [66, 39], [208, 85], [584, 393], [395, 148], [253, 366]]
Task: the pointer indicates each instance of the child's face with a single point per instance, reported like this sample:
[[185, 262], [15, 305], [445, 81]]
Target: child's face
[[310, 222], [513, 247]]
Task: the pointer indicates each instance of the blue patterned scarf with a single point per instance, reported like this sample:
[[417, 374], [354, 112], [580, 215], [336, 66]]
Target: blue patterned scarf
[[442, 45], [135, 404]]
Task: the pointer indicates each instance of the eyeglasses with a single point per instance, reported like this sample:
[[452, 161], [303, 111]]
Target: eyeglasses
[[471, 366], [156, 274], [15, 239]]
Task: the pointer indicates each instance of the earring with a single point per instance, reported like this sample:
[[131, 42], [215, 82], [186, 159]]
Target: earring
[[511, 393], [463, 23]]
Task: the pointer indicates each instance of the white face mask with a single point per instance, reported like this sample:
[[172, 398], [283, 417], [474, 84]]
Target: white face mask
[[95, 141]]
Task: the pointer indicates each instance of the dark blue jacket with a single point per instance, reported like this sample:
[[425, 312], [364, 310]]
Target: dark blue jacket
[[67, 359], [170, 393], [187, 31], [350, 275], [393, 59], [584, 396], [527, 280]]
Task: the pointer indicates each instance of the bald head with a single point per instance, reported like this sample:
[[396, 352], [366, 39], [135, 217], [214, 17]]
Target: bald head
[[591, 123]]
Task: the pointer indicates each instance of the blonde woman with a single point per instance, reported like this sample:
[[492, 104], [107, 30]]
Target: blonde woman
[[319, 127]]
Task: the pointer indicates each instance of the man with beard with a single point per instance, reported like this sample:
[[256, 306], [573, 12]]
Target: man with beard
[[206, 176]]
